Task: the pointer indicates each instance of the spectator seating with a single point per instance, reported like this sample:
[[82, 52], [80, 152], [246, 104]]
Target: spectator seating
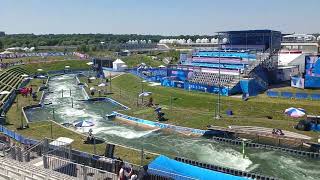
[[212, 79], [11, 169], [216, 60], [245, 55], [10, 80]]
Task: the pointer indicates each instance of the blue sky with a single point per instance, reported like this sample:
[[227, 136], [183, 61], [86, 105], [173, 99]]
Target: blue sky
[[166, 17]]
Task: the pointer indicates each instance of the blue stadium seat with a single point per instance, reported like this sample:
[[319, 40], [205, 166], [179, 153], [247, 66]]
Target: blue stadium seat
[[286, 94], [272, 93], [315, 96], [302, 95]]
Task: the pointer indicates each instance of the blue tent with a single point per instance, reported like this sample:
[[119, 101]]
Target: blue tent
[[167, 167]]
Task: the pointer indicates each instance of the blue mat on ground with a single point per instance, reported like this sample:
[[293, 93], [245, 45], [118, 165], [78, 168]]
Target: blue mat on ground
[[167, 167]]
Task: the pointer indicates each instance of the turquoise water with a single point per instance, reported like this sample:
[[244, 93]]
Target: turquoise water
[[164, 142]]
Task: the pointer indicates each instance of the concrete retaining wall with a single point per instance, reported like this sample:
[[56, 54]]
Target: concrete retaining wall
[[160, 125], [312, 155]]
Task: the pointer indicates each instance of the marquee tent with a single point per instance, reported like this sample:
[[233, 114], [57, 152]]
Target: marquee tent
[[118, 65]]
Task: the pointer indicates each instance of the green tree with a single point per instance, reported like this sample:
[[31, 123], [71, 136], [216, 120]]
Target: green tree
[[1, 45]]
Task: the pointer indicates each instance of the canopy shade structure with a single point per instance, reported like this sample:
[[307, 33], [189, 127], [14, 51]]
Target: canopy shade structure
[[145, 94], [39, 69], [92, 78], [62, 141], [67, 67], [119, 65], [41, 77], [161, 66], [24, 75], [92, 89], [102, 85], [90, 63], [295, 112], [83, 123], [4, 92], [167, 167]]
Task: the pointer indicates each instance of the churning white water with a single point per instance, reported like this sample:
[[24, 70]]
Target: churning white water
[[200, 149]]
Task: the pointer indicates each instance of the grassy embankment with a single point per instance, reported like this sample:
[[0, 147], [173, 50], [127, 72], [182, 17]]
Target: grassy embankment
[[38, 59], [197, 110], [40, 130]]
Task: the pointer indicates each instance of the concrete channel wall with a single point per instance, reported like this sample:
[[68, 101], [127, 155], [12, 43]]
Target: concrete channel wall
[[160, 125], [313, 155]]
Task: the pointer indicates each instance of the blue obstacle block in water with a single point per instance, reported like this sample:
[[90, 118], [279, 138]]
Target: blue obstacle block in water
[[302, 95]]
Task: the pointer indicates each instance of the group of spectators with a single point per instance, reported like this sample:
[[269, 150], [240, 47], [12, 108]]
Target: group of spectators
[[127, 173], [28, 91], [4, 65]]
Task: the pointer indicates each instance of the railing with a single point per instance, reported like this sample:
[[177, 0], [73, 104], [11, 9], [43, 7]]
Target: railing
[[76, 170], [225, 170], [290, 95]]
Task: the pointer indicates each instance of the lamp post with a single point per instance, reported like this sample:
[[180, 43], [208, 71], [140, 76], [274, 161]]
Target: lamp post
[[219, 79], [51, 128]]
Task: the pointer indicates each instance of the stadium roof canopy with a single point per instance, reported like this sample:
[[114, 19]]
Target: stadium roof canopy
[[249, 31]]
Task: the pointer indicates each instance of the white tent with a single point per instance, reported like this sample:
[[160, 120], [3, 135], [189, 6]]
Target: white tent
[[6, 52], [62, 141], [118, 65]]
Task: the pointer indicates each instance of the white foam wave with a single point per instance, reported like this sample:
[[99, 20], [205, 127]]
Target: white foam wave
[[122, 132], [225, 157]]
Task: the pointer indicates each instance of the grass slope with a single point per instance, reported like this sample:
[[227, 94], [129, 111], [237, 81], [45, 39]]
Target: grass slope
[[56, 65], [196, 109]]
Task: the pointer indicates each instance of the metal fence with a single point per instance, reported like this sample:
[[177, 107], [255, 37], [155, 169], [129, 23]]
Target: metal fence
[[76, 170], [289, 95]]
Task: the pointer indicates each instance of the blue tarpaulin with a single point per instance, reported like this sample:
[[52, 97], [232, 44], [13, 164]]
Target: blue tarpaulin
[[167, 167]]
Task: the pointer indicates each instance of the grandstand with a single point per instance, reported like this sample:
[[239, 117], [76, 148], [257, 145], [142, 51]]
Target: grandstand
[[10, 80], [11, 169], [245, 62]]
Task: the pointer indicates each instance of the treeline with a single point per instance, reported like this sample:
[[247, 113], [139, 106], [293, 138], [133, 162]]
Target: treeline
[[32, 40]]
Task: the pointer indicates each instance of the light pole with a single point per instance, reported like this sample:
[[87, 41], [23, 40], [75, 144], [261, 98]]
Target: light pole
[[219, 78], [142, 90], [51, 128]]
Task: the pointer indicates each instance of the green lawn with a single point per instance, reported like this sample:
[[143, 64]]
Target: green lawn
[[196, 109], [294, 90], [134, 60], [56, 65], [38, 59]]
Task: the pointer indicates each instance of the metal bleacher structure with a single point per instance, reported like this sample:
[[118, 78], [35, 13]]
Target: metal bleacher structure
[[233, 66], [244, 62], [55, 160], [10, 80]]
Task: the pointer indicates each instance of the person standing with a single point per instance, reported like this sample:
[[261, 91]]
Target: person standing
[[30, 91]]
